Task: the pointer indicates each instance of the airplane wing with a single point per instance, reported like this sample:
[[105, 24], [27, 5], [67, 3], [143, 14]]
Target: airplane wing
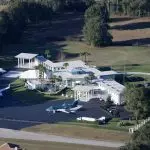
[[62, 110], [76, 108], [4, 89]]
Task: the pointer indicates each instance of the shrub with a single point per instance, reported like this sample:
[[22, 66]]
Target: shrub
[[124, 123]]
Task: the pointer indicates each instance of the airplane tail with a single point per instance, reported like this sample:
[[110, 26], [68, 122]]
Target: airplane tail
[[50, 109], [75, 103]]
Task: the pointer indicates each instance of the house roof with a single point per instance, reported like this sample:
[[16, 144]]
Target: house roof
[[95, 71], [8, 146], [29, 74], [85, 88], [26, 55], [103, 73], [71, 64], [49, 63], [41, 58], [112, 85], [68, 75]]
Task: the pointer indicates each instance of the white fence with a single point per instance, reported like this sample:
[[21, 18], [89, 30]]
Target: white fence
[[136, 127]]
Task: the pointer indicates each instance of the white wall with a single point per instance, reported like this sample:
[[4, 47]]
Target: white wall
[[115, 96], [36, 62]]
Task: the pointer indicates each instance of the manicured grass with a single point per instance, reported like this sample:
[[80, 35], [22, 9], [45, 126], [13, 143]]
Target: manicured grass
[[80, 131], [111, 125], [28, 97], [134, 58], [37, 145]]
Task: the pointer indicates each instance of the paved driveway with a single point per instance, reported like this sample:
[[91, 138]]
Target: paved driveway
[[14, 115]]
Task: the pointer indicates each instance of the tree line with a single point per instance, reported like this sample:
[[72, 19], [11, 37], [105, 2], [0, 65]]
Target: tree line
[[16, 17], [128, 7], [19, 13]]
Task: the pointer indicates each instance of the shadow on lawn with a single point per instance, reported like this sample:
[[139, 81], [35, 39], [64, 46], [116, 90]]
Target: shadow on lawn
[[120, 19], [71, 55], [133, 42], [132, 26], [13, 98]]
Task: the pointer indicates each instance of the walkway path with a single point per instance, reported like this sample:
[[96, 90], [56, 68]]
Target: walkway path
[[16, 134], [142, 73]]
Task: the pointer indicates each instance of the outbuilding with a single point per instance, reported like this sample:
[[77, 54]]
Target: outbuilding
[[22, 57]]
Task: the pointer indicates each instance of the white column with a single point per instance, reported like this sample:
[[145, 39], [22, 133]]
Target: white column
[[18, 62], [29, 63], [66, 82], [86, 96], [23, 61], [78, 95]]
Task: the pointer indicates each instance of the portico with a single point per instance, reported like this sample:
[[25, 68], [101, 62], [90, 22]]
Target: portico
[[87, 92], [26, 56]]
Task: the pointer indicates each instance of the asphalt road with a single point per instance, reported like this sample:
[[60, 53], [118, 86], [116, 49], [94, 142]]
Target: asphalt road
[[14, 115], [7, 133]]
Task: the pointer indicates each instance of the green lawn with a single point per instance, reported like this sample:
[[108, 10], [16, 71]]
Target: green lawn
[[37, 145], [28, 96], [111, 125], [133, 58], [80, 131]]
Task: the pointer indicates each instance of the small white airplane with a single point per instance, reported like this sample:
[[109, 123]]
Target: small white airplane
[[90, 119], [4, 89], [65, 108]]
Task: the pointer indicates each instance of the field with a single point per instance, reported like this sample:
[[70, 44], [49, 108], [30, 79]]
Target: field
[[65, 34], [81, 131], [36, 145]]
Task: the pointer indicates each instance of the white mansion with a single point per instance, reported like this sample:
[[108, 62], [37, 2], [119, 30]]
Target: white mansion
[[73, 75]]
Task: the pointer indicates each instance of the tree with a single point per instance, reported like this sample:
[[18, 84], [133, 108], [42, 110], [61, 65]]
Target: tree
[[136, 102], [56, 5], [41, 70], [54, 79], [66, 65], [85, 55], [140, 139], [95, 29], [4, 24], [91, 76], [89, 2], [96, 32], [47, 53], [108, 102], [97, 10], [59, 79]]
